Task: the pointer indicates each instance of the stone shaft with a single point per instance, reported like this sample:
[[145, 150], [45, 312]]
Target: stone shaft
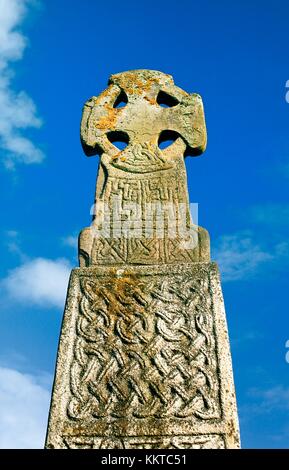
[[144, 361]]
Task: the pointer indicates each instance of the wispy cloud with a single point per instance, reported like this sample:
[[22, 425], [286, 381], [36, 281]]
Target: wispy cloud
[[247, 337], [265, 401], [24, 403], [239, 256], [271, 399], [40, 281], [276, 215], [70, 240], [266, 408], [18, 111], [13, 243]]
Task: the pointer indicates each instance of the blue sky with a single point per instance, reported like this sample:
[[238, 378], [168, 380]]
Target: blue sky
[[56, 54]]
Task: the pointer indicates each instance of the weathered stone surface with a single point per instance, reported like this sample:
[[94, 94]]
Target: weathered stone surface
[[142, 180], [143, 359]]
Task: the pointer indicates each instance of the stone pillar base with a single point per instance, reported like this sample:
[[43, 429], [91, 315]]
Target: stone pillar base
[[144, 361]]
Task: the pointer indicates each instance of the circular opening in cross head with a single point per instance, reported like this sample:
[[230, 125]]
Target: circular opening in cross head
[[119, 139]]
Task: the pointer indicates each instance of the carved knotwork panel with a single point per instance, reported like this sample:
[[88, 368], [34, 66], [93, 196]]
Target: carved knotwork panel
[[145, 347]]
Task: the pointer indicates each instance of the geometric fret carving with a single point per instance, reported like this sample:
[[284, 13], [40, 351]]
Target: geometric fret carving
[[206, 441]]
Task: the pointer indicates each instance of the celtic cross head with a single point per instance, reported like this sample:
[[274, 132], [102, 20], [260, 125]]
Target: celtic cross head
[[153, 110], [142, 110]]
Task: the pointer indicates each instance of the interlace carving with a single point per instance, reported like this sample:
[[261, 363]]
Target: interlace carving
[[145, 349]]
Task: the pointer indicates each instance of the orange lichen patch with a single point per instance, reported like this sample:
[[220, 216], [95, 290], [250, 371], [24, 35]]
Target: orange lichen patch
[[115, 157], [131, 91], [131, 81], [104, 94], [149, 83], [132, 84], [125, 297], [150, 100], [107, 121]]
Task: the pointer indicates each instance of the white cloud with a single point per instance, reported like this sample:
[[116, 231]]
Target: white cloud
[[70, 240], [271, 405], [247, 337], [18, 111], [40, 281], [276, 397], [24, 404], [267, 400], [13, 243], [239, 256]]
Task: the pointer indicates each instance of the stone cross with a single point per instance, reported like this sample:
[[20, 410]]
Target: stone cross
[[144, 358], [143, 174]]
